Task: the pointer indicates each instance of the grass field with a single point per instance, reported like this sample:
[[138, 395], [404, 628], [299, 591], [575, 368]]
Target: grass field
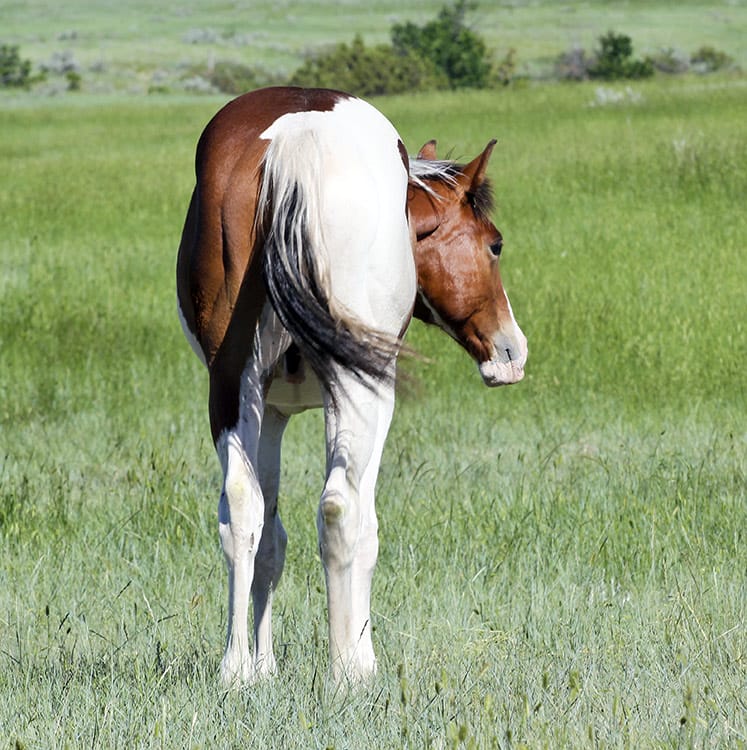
[[562, 562], [136, 47]]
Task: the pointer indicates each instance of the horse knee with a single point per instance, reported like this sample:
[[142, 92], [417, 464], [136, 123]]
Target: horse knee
[[332, 507], [337, 524], [348, 533]]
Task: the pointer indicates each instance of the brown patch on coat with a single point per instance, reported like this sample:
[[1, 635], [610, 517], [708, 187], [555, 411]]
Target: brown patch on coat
[[219, 265]]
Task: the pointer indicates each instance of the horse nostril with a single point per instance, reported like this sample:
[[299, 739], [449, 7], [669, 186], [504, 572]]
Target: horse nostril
[[508, 354]]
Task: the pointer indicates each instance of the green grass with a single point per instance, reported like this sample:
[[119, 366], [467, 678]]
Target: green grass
[[562, 562], [135, 46]]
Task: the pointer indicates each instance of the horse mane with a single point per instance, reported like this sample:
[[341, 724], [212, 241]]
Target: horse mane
[[445, 172]]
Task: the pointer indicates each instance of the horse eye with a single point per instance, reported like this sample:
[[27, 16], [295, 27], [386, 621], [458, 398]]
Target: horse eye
[[496, 247]]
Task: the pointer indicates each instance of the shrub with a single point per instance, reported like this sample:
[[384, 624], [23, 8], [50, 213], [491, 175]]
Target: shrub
[[236, 78], [14, 72], [670, 61], [197, 84], [446, 41], [573, 65], [368, 71], [61, 63], [614, 59], [443, 53], [708, 59], [73, 80]]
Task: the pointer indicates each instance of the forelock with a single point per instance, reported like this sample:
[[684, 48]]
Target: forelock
[[446, 172]]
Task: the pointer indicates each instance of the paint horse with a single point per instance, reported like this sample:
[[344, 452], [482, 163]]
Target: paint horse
[[310, 241]]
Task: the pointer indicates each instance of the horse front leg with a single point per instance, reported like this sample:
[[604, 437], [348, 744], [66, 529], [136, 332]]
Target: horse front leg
[[347, 525], [270, 559]]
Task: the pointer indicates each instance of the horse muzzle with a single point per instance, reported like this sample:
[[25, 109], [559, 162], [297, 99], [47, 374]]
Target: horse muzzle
[[506, 366]]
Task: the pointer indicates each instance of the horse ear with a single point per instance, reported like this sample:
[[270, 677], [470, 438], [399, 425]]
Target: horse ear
[[474, 173], [428, 151]]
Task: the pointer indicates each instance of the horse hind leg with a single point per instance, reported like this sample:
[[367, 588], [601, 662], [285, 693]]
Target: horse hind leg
[[236, 410], [270, 559], [347, 523], [240, 521], [238, 400]]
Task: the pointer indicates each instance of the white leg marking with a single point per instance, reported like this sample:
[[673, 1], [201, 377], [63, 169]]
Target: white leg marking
[[241, 513], [347, 525], [240, 520]]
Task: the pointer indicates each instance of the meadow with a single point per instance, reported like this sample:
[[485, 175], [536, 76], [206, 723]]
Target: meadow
[[562, 562], [137, 47]]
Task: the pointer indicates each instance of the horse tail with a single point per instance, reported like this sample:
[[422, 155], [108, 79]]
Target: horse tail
[[296, 268]]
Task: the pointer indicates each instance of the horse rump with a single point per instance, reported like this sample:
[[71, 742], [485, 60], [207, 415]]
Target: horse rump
[[296, 270]]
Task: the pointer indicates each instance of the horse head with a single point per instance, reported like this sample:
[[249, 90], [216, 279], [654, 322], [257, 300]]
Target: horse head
[[457, 249]]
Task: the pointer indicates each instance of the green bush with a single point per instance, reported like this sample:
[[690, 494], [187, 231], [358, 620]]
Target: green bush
[[573, 65], [236, 78], [669, 60], [14, 72], [614, 59], [369, 71], [443, 53], [454, 49], [708, 59], [73, 80]]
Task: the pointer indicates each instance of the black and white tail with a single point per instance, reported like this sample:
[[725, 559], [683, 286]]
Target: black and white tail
[[297, 268]]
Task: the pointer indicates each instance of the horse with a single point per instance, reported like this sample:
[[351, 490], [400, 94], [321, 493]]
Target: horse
[[310, 242]]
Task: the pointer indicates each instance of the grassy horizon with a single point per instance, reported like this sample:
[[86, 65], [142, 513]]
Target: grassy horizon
[[562, 562]]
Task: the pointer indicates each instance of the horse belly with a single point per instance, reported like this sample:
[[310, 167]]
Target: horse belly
[[189, 334], [292, 395]]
